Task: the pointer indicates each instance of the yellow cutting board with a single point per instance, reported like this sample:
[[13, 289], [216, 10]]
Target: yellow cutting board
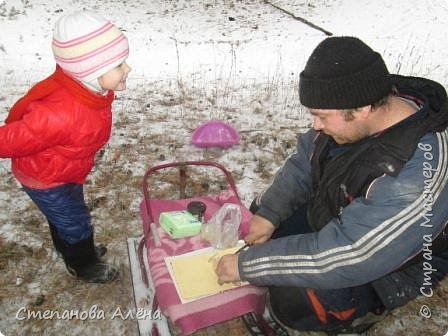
[[195, 276]]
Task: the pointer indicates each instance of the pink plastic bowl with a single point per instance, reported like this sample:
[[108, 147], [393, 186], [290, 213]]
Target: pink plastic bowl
[[215, 133]]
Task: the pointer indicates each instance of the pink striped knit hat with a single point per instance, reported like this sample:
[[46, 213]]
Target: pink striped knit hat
[[86, 45]]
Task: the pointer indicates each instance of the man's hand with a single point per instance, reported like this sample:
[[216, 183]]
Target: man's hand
[[227, 269], [260, 230]]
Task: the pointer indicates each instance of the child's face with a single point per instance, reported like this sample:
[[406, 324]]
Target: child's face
[[115, 79]]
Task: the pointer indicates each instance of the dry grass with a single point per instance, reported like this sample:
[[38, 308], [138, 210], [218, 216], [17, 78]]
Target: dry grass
[[149, 129]]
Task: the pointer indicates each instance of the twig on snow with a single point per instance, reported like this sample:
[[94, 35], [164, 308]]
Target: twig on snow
[[298, 18]]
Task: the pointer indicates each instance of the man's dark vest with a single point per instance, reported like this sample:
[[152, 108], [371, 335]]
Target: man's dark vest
[[340, 178]]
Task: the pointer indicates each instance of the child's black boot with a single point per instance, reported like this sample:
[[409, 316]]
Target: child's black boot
[[83, 262], [58, 243]]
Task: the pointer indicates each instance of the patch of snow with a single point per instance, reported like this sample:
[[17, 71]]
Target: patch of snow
[[15, 234]]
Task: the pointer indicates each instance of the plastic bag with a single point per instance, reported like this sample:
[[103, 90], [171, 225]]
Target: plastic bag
[[222, 229]]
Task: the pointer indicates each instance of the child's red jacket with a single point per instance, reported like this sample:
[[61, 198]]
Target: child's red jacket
[[56, 140]]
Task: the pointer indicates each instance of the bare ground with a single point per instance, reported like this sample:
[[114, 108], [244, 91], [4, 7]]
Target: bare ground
[[33, 277]]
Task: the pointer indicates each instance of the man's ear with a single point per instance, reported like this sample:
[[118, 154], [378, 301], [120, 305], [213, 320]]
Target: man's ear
[[363, 112]]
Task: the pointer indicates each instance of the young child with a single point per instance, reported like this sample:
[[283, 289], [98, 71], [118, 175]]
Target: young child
[[53, 132]]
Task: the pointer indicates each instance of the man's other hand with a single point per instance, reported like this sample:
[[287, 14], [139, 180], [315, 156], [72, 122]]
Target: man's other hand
[[227, 269], [260, 230]]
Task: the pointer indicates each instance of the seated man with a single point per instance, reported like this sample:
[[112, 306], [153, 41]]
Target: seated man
[[353, 223]]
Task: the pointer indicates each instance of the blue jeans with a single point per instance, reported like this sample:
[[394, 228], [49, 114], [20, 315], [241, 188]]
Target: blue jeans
[[65, 209]]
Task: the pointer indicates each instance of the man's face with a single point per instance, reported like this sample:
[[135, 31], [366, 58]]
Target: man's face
[[334, 124]]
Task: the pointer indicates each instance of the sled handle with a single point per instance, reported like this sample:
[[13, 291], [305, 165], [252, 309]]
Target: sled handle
[[183, 176]]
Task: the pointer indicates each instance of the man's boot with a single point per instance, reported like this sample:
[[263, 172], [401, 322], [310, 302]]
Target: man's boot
[[82, 262]]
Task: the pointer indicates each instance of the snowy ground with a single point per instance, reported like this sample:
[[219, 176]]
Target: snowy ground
[[192, 61]]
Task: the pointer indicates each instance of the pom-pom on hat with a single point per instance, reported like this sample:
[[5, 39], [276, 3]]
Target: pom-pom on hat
[[86, 45], [343, 73]]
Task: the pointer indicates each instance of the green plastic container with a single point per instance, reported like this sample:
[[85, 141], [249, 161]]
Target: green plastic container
[[180, 224]]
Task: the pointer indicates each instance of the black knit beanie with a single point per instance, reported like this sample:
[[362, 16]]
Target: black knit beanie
[[343, 73]]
